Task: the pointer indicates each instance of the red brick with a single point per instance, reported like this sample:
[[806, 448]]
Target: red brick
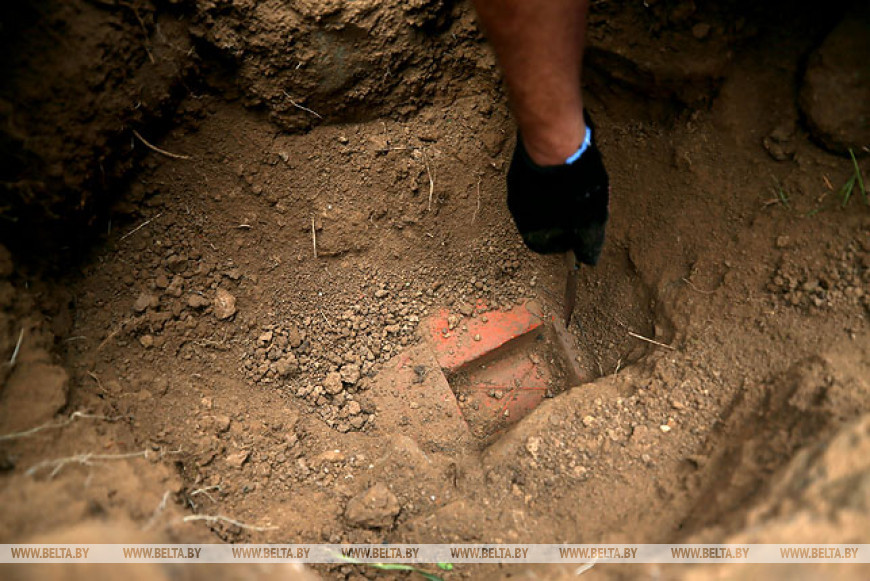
[[456, 348]]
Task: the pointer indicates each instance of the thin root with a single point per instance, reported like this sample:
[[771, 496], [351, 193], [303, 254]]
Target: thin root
[[477, 209], [648, 340], [157, 149], [314, 237], [206, 491], [140, 226], [14, 357], [700, 290], [303, 107], [431, 181], [219, 518], [160, 508], [88, 459], [112, 335], [49, 425], [84, 459], [143, 27]]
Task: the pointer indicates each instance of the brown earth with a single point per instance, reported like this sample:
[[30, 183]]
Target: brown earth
[[217, 335]]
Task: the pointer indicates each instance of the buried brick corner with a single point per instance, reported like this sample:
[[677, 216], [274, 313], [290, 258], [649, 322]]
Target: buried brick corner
[[501, 364]]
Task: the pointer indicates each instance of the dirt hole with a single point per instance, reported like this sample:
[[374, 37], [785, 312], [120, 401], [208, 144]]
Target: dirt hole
[[231, 331], [502, 386]]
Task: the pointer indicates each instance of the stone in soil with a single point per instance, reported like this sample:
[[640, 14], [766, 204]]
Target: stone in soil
[[224, 304], [377, 507]]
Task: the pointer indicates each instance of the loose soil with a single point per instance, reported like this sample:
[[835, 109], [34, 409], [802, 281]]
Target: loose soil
[[241, 332]]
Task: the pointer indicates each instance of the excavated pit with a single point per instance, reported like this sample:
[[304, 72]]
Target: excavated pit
[[262, 325], [502, 364]]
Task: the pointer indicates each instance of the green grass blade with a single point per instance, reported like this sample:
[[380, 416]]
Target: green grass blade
[[398, 567], [846, 190], [780, 193], [859, 177]]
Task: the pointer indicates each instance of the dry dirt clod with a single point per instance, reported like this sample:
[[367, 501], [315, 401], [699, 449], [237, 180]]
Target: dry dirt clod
[[221, 423], [330, 456], [287, 366], [533, 445], [350, 374], [176, 263], [224, 304], [701, 30], [175, 288], [332, 383], [377, 507], [197, 302], [144, 301], [237, 459], [294, 336]]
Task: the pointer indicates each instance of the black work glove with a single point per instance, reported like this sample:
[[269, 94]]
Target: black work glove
[[562, 207]]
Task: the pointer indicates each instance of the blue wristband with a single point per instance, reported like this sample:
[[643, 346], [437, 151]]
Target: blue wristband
[[587, 141]]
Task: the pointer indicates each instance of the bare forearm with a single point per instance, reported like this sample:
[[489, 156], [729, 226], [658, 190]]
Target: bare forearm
[[539, 45]]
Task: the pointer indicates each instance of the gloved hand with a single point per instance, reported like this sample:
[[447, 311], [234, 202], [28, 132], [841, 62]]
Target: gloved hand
[[562, 207]]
